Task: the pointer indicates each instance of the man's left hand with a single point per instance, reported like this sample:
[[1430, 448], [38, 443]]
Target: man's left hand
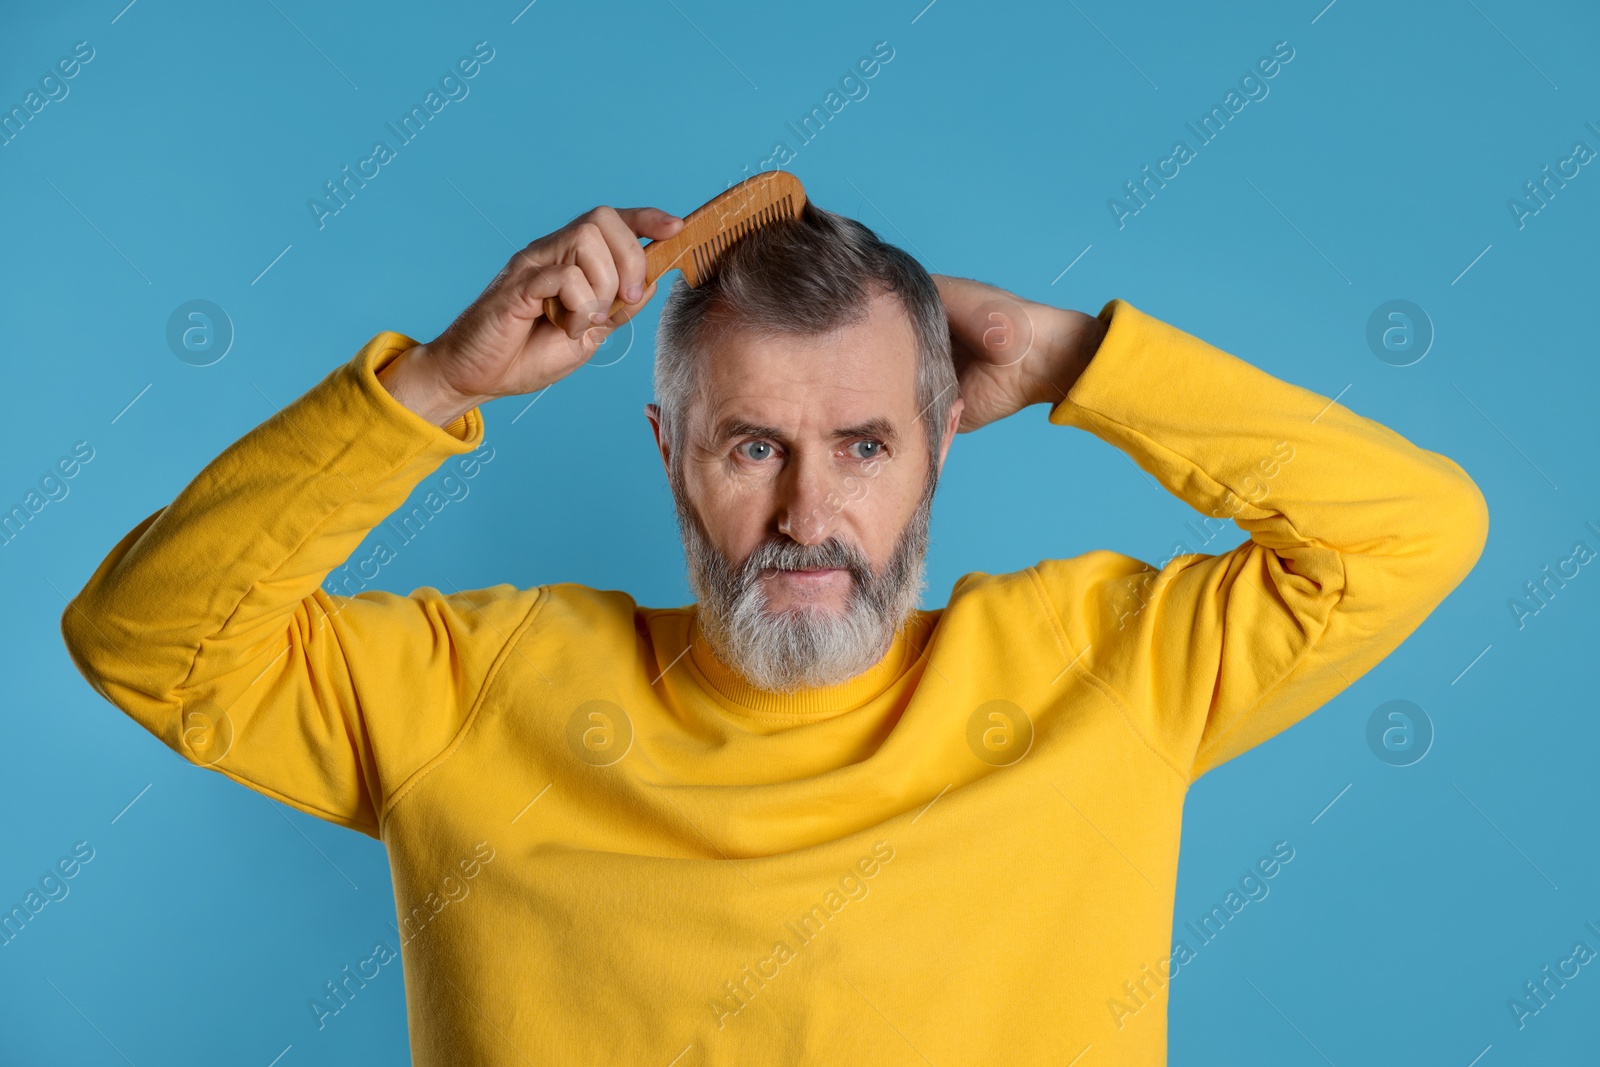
[[1010, 353]]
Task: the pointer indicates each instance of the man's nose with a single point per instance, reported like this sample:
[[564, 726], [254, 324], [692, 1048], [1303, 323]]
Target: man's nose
[[809, 499]]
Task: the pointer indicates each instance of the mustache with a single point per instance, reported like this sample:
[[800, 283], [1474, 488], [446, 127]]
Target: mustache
[[784, 554]]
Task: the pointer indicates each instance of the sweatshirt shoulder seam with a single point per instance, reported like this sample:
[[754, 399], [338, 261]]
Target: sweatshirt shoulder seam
[[1109, 691], [542, 595]]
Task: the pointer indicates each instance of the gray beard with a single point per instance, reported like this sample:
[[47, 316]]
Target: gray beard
[[809, 646]]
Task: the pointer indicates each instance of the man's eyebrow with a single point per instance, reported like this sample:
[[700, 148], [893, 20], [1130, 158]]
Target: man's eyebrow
[[877, 426]]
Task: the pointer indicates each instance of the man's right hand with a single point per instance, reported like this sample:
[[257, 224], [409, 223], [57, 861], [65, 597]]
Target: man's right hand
[[503, 344]]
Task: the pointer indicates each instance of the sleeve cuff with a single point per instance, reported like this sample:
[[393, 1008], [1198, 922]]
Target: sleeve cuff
[[1126, 327], [384, 349]]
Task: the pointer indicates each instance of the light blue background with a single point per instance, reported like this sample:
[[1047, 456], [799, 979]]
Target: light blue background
[[1415, 906]]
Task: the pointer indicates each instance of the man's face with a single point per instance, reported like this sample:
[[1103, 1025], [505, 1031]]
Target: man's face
[[803, 495]]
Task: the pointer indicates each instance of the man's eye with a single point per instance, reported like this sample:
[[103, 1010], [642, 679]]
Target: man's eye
[[872, 449], [757, 450]]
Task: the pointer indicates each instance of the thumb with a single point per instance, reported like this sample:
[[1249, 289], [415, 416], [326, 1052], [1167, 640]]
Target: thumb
[[651, 222]]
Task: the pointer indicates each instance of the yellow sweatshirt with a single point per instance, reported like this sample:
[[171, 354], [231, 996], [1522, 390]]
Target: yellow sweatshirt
[[606, 848]]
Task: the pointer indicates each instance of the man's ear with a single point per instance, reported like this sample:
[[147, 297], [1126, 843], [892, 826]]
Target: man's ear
[[653, 413], [951, 423]]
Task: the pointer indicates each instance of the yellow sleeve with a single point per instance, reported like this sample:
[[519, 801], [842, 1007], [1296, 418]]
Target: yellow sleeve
[[1355, 536], [207, 623]]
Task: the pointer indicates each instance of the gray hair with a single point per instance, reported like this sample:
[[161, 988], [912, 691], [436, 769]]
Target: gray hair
[[807, 276]]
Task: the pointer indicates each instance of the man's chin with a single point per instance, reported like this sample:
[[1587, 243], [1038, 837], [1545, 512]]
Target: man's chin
[[795, 617]]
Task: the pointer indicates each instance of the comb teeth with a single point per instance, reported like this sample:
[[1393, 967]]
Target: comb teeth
[[706, 256]]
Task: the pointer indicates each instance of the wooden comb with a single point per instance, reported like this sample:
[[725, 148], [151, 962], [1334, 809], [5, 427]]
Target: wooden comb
[[709, 231]]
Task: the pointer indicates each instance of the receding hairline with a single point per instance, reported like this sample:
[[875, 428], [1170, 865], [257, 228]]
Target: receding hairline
[[722, 318], [723, 322], [828, 268]]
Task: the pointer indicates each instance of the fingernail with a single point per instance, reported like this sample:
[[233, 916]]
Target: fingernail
[[597, 317], [595, 336], [635, 291]]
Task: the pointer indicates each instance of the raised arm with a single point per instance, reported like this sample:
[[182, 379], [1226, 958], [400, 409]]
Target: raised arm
[[1355, 536], [207, 623]]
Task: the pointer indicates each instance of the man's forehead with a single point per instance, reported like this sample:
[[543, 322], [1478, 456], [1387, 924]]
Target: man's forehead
[[862, 371]]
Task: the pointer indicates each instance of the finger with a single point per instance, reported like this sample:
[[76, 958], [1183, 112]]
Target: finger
[[593, 253], [626, 253], [628, 311], [568, 283], [651, 222]]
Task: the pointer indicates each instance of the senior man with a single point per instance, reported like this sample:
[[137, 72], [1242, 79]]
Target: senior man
[[801, 820]]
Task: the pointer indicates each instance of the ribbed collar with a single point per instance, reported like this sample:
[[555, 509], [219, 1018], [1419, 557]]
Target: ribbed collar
[[807, 704]]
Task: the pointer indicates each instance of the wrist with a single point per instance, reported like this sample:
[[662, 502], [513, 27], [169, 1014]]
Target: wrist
[[411, 379], [1067, 342]]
